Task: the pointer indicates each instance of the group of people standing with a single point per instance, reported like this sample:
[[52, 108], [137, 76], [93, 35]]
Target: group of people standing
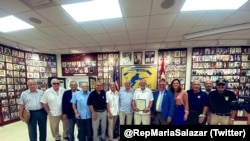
[[94, 112]]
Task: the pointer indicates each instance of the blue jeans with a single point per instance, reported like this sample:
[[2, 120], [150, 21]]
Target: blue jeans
[[39, 118], [72, 123]]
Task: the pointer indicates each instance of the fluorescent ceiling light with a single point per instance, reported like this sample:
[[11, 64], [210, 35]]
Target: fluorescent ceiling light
[[192, 5], [218, 31], [94, 10], [11, 23]]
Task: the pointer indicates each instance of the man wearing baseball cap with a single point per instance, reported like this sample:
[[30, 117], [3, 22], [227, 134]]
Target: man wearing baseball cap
[[222, 113]]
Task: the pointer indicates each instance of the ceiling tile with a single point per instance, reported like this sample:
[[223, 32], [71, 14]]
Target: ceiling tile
[[214, 17], [53, 31], [132, 8], [114, 25], [140, 34], [56, 15], [13, 6], [93, 27], [160, 21], [73, 29], [137, 23], [119, 36]]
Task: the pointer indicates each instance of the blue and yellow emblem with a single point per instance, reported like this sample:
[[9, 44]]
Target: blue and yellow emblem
[[137, 74]]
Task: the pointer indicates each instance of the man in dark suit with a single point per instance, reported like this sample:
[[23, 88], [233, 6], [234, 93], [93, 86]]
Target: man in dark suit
[[67, 110], [163, 104]]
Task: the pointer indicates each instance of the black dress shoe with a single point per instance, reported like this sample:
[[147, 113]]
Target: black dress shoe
[[66, 138], [57, 140]]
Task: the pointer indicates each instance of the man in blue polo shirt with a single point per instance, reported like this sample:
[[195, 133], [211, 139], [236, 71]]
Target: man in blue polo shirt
[[198, 104], [82, 112]]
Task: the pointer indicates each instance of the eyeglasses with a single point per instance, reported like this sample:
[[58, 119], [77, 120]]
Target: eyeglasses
[[55, 83]]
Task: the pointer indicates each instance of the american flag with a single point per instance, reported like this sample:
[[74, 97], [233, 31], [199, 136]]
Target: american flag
[[116, 78]]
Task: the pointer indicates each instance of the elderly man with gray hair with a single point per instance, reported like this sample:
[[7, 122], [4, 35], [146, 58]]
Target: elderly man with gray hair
[[198, 104], [52, 103]]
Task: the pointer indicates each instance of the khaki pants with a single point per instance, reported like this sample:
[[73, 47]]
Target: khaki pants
[[111, 127], [124, 116], [54, 126], [143, 119], [219, 120]]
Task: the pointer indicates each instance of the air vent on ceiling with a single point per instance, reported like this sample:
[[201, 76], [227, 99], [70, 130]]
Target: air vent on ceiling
[[37, 4]]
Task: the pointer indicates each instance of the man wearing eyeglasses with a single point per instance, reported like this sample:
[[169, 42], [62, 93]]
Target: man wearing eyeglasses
[[52, 103], [220, 104]]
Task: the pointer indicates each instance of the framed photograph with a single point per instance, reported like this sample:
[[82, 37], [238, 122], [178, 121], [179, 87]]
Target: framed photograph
[[138, 58], [177, 53], [183, 53], [7, 51], [135, 74], [126, 58], [149, 57]]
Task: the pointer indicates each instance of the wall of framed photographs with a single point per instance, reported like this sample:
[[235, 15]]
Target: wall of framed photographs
[[79, 64], [231, 63], [175, 61], [107, 64], [16, 67]]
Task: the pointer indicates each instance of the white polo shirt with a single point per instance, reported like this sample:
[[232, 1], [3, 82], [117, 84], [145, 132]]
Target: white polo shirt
[[53, 100], [112, 98]]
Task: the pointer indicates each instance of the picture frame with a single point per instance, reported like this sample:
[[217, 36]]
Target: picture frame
[[137, 58], [149, 57], [126, 58], [136, 73]]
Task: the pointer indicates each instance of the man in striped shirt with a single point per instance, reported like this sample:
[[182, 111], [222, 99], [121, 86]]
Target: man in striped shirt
[[30, 100]]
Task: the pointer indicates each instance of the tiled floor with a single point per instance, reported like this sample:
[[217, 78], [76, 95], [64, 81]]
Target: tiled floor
[[18, 131]]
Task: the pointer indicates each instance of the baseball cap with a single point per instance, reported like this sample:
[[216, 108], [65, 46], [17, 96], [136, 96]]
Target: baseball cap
[[221, 81]]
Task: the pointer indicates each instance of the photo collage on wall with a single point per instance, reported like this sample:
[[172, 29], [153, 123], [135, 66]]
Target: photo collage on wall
[[79, 64], [214, 63], [16, 67], [40, 67], [175, 61], [106, 64]]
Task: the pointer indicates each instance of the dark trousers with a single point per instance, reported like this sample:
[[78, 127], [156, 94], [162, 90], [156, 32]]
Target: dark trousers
[[72, 123], [38, 118], [193, 118], [85, 129], [178, 118]]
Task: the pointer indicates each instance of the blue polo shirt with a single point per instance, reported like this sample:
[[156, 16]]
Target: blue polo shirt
[[80, 98], [197, 101]]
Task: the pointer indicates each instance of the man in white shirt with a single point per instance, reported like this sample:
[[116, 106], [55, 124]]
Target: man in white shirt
[[142, 103], [52, 103], [112, 100]]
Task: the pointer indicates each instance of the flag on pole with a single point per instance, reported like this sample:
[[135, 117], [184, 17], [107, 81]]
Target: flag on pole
[[162, 70], [116, 78]]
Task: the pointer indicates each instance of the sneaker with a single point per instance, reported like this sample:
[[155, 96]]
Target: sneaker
[[66, 138]]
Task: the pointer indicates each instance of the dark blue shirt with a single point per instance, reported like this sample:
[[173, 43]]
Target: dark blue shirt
[[98, 101], [221, 103], [197, 101]]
